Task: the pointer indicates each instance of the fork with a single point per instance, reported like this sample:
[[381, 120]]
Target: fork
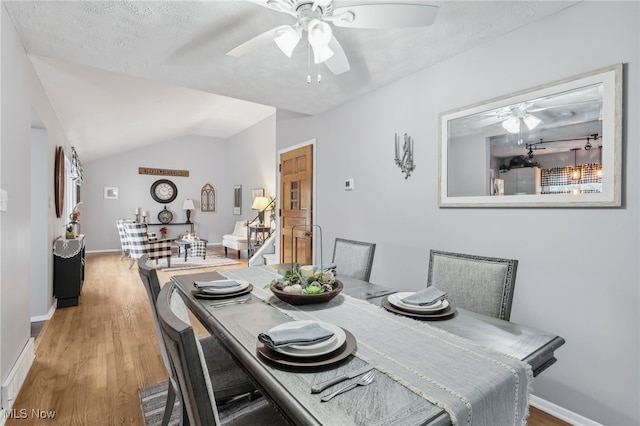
[[365, 380], [229, 302]]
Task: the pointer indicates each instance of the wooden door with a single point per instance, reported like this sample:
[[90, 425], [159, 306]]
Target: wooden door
[[296, 205]]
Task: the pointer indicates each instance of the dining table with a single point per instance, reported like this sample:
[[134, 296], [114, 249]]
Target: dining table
[[467, 368]]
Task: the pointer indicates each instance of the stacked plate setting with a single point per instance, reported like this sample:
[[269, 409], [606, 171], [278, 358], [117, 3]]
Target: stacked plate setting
[[325, 347], [221, 289], [396, 300]]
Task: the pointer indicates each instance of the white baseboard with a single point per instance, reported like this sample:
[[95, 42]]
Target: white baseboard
[[16, 378], [561, 413], [48, 315]]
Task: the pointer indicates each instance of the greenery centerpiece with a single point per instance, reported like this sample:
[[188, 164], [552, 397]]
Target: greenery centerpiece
[[306, 284]]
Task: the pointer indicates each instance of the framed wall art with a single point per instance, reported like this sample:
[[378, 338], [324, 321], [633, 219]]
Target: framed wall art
[[110, 193], [208, 198], [237, 199]]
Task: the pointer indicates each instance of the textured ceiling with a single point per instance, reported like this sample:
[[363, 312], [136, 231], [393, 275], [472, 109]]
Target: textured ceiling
[[139, 66]]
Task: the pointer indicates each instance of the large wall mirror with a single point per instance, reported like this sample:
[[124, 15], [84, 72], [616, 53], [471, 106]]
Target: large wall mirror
[[556, 145]]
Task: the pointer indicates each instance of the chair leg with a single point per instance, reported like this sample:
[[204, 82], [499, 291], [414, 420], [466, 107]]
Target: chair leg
[[225, 251], [168, 409], [238, 254], [122, 255], [168, 262], [132, 262]]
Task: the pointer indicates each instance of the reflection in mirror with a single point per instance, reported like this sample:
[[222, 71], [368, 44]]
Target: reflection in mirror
[[556, 145]]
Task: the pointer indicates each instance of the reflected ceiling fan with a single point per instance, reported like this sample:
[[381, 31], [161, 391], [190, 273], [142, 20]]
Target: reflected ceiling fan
[[314, 16]]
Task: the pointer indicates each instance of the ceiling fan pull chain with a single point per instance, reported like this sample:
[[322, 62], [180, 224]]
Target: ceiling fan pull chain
[[308, 63]]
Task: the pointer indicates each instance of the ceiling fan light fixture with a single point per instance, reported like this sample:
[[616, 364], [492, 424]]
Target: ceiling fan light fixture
[[288, 40], [511, 124], [319, 37], [531, 121]]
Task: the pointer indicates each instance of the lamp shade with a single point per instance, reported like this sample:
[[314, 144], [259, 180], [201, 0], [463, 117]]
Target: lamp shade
[[260, 203], [188, 205]]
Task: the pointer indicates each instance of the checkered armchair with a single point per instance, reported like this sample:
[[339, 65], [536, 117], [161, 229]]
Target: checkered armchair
[[139, 244], [124, 242]]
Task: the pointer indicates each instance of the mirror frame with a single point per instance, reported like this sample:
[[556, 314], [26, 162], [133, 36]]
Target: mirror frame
[[611, 78]]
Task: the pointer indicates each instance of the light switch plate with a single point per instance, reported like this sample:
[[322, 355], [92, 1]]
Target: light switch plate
[[3, 200], [348, 184]]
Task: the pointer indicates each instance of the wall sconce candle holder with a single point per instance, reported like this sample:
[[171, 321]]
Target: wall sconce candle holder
[[406, 161]]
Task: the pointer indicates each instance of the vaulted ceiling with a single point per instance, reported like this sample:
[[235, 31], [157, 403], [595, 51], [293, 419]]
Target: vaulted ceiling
[[125, 74]]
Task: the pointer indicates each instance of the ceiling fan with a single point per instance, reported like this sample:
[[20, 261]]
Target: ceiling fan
[[314, 16]]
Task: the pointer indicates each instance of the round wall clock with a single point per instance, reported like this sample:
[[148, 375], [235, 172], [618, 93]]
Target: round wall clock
[[164, 191], [165, 216]]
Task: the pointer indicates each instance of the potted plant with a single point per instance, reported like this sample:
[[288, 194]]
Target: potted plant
[[71, 232]]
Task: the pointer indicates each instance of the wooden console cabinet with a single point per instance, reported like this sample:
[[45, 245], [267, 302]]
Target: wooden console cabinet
[[68, 270]]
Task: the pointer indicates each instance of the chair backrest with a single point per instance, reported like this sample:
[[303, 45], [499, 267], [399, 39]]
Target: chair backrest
[[124, 242], [476, 283], [240, 230], [353, 258], [138, 239], [151, 283], [187, 358]]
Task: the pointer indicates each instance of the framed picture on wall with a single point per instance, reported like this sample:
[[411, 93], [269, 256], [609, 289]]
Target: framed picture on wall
[[237, 199], [110, 193], [258, 192]]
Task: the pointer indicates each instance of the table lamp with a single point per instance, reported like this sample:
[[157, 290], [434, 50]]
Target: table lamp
[[188, 206], [260, 203]]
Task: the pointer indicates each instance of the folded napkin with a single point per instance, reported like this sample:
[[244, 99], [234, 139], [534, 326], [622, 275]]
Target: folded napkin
[[305, 335], [216, 284], [426, 297]]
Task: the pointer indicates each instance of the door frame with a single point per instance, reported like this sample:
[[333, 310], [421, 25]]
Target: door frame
[[279, 153]]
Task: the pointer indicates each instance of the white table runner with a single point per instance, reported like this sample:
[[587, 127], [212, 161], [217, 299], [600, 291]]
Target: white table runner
[[475, 385]]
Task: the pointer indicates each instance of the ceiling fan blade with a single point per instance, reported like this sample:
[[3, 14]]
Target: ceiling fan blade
[[257, 42], [384, 16], [338, 63], [277, 5]]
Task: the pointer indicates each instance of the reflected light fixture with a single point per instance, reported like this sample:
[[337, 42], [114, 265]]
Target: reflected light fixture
[[513, 124], [575, 173], [188, 206]]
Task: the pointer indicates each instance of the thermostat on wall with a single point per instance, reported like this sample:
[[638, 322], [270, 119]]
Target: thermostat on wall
[[348, 184]]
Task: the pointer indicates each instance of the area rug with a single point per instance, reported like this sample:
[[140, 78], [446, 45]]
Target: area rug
[[153, 399], [178, 263]]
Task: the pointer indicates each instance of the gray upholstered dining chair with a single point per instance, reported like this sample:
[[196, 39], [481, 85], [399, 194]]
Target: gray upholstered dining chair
[[476, 283], [232, 380], [353, 258], [196, 385]]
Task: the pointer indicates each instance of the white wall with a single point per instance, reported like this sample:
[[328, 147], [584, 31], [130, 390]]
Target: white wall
[[41, 259], [15, 234], [578, 274], [245, 159]]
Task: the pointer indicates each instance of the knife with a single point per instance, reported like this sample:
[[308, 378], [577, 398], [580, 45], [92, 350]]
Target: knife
[[322, 386]]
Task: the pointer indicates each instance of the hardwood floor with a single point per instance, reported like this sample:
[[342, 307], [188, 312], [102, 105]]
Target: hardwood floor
[[91, 359]]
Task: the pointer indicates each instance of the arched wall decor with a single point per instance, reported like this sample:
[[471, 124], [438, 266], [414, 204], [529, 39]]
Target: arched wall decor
[[208, 198]]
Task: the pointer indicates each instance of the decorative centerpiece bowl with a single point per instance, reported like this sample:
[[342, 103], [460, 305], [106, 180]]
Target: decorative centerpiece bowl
[[303, 285]]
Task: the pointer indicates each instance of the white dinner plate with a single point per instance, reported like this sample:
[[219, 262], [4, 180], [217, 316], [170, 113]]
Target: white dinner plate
[[213, 290], [396, 300], [317, 349]]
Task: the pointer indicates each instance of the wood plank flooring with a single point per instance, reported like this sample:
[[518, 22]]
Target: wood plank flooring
[[91, 359]]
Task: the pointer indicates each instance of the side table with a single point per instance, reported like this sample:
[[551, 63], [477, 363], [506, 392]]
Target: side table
[[186, 244]]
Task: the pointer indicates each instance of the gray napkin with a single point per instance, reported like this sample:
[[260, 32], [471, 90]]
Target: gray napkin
[[216, 284], [426, 297], [305, 335]]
